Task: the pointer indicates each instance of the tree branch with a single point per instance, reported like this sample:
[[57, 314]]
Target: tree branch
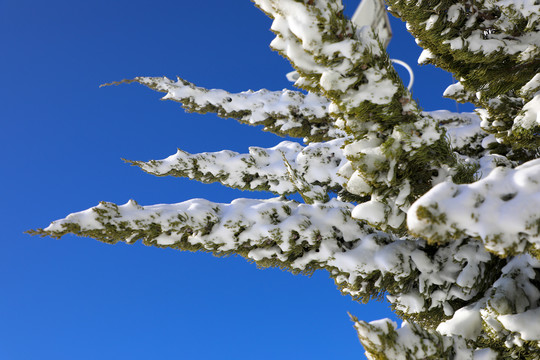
[[493, 49], [390, 139], [261, 169], [302, 238], [284, 113]]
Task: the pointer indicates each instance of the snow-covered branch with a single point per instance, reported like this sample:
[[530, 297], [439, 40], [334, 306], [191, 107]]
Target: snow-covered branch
[[330, 54], [318, 164], [382, 339], [493, 49], [507, 313], [424, 283], [463, 130], [501, 209], [283, 112], [280, 232], [493, 42], [274, 232]]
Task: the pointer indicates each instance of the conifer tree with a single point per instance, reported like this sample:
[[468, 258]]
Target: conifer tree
[[437, 211]]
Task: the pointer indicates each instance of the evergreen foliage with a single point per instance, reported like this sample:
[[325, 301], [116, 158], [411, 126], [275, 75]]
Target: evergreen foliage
[[437, 211]]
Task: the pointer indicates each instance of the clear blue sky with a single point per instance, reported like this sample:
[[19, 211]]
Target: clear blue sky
[[62, 138]]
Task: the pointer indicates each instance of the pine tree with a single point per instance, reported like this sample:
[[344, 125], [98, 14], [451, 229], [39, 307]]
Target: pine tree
[[436, 210]]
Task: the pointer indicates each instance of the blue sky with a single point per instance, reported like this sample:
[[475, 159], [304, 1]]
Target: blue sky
[[63, 138]]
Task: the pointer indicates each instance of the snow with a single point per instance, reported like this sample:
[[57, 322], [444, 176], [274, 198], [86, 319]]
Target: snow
[[302, 42], [333, 80], [496, 39], [485, 354], [466, 322], [530, 117], [411, 303], [431, 21], [528, 9], [531, 87], [285, 109], [453, 12], [378, 89], [371, 211], [525, 323], [425, 55], [468, 254], [501, 209], [261, 167], [455, 44], [529, 53], [463, 129], [410, 342], [453, 90]]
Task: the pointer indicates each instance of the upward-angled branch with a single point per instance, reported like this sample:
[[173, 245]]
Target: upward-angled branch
[[348, 66], [283, 113]]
